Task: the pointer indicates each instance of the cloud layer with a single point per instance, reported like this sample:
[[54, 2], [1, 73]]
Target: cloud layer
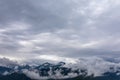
[[64, 28]]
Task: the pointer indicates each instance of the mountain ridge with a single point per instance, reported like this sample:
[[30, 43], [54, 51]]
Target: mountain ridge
[[48, 71]]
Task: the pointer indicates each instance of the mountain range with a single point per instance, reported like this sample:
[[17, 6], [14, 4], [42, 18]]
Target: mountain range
[[48, 71]]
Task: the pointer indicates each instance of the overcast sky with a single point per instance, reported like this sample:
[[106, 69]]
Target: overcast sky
[[31, 29]]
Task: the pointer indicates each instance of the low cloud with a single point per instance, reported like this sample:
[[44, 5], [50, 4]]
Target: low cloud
[[7, 62]]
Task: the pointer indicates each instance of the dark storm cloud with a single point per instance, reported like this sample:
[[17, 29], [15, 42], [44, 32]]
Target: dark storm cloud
[[64, 28]]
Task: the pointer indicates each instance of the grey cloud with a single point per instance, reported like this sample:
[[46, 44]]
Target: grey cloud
[[64, 28], [7, 62], [24, 11]]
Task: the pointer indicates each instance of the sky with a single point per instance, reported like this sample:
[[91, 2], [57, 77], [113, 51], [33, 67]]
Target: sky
[[59, 29]]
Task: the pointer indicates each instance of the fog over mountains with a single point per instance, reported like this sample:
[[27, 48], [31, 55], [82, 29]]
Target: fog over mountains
[[84, 68]]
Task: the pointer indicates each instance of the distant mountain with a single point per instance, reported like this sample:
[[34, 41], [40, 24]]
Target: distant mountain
[[48, 71]]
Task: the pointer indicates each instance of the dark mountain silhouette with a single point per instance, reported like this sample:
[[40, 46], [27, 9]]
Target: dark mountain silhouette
[[15, 76], [47, 69]]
